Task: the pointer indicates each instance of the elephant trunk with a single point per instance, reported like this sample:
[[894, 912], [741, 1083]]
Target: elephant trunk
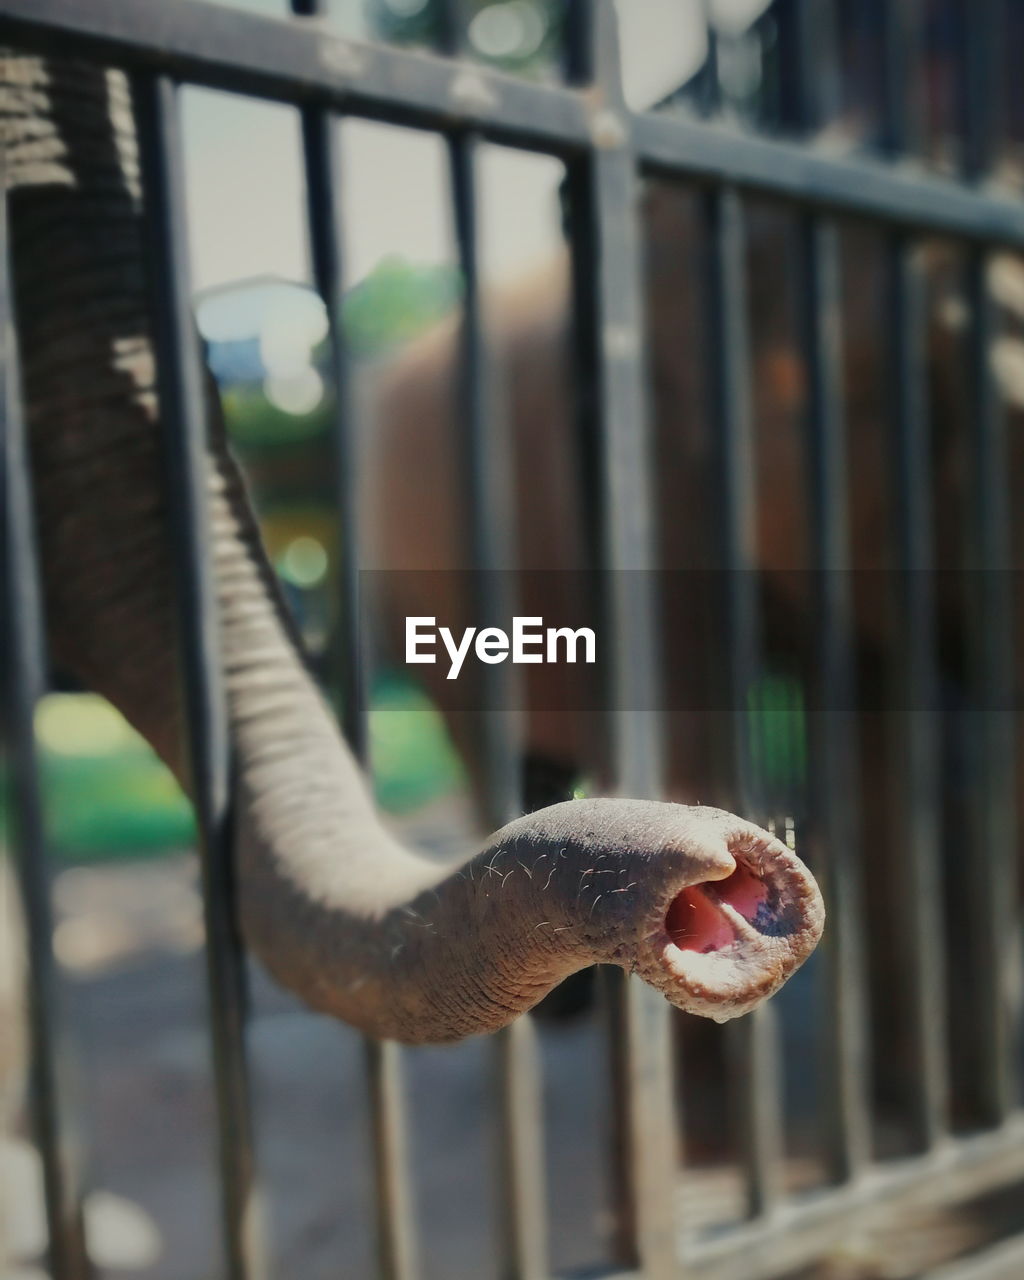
[[713, 911]]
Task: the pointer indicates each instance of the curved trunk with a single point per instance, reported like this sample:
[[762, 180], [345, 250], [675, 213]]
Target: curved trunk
[[336, 909]]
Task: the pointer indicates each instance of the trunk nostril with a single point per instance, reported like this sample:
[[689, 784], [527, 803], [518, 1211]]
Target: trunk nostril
[[728, 944], [694, 921], [744, 890]]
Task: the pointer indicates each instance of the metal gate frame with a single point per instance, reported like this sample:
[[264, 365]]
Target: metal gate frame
[[606, 148]]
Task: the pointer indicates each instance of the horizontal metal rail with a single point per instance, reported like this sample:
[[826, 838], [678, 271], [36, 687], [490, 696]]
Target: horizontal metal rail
[[899, 193], [804, 1227], [1003, 1261], [295, 62], [300, 62]]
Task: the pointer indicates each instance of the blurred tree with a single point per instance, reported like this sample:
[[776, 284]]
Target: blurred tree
[[515, 35], [395, 302]]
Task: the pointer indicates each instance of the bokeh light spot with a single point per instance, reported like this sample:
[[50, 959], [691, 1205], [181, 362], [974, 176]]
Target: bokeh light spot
[[514, 30], [296, 393], [303, 562]]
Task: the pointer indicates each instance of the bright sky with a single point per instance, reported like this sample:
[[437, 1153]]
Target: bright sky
[[245, 182]]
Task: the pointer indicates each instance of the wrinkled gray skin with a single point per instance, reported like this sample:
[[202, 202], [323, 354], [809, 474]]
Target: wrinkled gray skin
[[358, 926]]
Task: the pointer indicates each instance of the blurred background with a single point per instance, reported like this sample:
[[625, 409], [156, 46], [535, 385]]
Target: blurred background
[[264, 326], [129, 934]]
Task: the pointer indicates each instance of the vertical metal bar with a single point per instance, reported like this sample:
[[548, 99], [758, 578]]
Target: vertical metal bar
[[992, 901], [903, 126], [521, 1168], [590, 56], [397, 1248], [397, 1252], [705, 89], [24, 646], [449, 19], [184, 425], [984, 87], [809, 73], [321, 154], [644, 1101], [916, 691], [833, 829], [396, 1232], [486, 458], [609, 287], [490, 524], [754, 1037], [490, 519], [728, 343], [580, 55], [578, 42], [916, 686], [604, 194], [486, 476], [995, 875]]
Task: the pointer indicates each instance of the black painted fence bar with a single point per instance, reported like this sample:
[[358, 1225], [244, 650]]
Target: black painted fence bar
[[490, 534], [753, 1040], [834, 834], [916, 726], [916, 723], [183, 414], [490, 531], [615, 450], [600, 191], [23, 646], [994, 819], [994, 880], [346, 674]]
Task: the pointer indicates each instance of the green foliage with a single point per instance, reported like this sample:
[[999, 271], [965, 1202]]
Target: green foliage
[[778, 731], [413, 758], [107, 795], [253, 420], [397, 301], [121, 806]]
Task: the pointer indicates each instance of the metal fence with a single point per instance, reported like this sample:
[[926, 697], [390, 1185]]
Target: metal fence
[[607, 149]]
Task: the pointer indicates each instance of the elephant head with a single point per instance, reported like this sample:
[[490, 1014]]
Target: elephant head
[[708, 908]]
